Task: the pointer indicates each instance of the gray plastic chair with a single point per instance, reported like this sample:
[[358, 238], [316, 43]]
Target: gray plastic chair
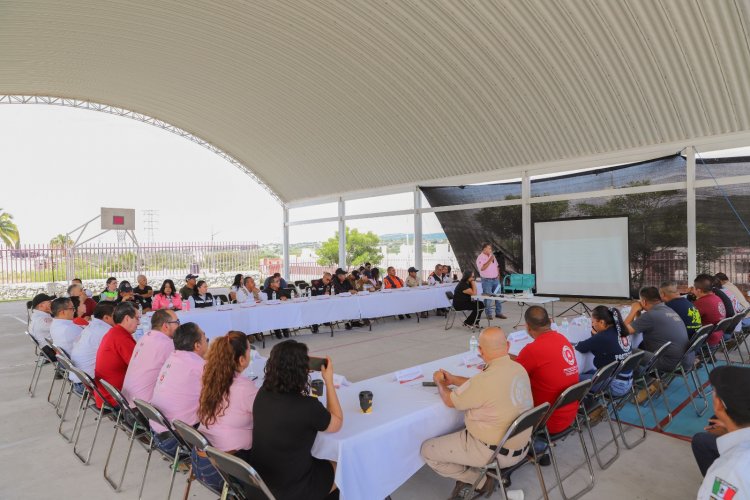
[[197, 442], [238, 475], [41, 360]]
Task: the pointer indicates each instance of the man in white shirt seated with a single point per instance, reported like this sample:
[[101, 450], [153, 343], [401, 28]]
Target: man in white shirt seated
[[729, 475], [248, 291], [63, 331], [149, 356], [84, 350], [41, 320]]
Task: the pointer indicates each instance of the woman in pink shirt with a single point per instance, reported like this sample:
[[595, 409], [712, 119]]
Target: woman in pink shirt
[[226, 403], [167, 298]]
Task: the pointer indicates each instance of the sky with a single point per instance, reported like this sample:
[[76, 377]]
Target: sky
[[61, 165]]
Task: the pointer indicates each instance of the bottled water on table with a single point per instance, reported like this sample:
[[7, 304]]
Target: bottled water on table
[[273, 295], [473, 344]]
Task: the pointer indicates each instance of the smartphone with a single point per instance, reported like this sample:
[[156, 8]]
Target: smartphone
[[429, 384], [317, 363]]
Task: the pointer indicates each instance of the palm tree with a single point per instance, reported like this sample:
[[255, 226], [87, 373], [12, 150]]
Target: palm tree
[[61, 241], [8, 230]]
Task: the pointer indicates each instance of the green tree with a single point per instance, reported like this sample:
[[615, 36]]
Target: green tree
[[8, 230], [360, 248], [61, 241]]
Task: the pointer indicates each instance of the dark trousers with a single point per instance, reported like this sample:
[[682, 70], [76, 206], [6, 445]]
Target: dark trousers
[[476, 309], [705, 450]]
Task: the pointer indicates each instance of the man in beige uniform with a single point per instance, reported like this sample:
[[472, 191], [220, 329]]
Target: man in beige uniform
[[492, 400]]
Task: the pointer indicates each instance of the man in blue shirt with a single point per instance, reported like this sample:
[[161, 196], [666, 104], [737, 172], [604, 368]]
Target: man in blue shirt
[[682, 306]]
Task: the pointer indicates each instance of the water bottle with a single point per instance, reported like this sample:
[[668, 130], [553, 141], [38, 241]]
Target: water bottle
[[216, 301], [473, 345], [565, 326], [185, 305], [273, 295], [140, 310]]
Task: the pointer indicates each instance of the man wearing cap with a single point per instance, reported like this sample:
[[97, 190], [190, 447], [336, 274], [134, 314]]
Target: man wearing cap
[[492, 399], [41, 320], [187, 291], [729, 477], [268, 281], [63, 331], [412, 280]]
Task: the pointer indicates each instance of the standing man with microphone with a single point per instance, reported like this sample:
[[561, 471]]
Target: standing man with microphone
[[489, 271]]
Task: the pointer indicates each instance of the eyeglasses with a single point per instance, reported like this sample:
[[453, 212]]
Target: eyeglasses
[[174, 322]]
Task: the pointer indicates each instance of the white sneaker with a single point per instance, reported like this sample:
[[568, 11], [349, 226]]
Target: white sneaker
[[515, 494]]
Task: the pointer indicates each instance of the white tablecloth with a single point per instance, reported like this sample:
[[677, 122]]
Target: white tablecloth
[[298, 313], [379, 451]]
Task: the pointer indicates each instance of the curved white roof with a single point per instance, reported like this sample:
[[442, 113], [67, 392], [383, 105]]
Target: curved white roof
[[321, 97]]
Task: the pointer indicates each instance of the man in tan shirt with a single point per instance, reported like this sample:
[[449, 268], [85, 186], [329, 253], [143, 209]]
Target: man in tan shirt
[[491, 400]]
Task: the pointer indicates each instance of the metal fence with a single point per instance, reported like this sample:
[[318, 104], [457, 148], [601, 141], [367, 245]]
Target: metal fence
[[41, 263]]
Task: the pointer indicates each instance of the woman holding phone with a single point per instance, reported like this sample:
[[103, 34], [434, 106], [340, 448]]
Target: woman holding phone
[[465, 289], [286, 421]]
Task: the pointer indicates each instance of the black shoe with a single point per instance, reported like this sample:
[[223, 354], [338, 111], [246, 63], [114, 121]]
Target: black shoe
[[259, 337], [348, 326], [400, 316], [408, 316], [315, 329], [357, 324], [286, 334], [278, 334], [545, 460]]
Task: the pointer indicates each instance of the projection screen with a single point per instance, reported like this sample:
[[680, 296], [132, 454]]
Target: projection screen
[[583, 257]]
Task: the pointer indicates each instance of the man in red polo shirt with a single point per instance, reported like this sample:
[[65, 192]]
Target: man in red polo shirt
[[551, 364], [709, 305], [115, 350]]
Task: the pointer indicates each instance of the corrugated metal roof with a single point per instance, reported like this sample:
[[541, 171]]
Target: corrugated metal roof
[[322, 97]]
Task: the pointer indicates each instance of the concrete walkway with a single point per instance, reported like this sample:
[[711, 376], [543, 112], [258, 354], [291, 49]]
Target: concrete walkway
[[39, 464]]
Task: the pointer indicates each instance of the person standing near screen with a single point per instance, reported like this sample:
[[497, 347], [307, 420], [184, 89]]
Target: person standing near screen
[[489, 271]]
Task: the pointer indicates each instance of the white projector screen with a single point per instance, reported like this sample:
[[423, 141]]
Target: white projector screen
[[583, 257]]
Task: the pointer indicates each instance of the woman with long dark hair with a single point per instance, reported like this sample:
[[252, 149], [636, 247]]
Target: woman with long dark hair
[[236, 285], [167, 298], [226, 404], [609, 342], [286, 421], [465, 289]]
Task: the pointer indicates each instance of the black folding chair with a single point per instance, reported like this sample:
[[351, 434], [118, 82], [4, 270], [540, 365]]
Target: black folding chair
[[57, 373], [152, 414], [198, 444], [239, 477], [132, 423], [41, 359], [450, 314], [88, 401], [630, 363], [63, 370], [530, 421], [646, 375], [596, 399], [725, 327], [680, 370], [573, 394]]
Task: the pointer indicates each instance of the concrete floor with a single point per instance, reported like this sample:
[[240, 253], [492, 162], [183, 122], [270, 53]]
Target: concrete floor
[[39, 464]]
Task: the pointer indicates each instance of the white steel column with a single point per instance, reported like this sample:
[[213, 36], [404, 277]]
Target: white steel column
[[526, 221], [285, 247], [342, 234], [418, 228], [692, 248]]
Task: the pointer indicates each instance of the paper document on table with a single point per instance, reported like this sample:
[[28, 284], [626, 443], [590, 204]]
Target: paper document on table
[[409, 375], [472, 361], [518, 340]]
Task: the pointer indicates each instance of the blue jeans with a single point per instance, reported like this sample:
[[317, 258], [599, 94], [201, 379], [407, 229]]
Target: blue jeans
[[617, 386], [488, 286]]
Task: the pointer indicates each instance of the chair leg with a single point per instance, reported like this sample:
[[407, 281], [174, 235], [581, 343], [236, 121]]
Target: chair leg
[[65, 412], [93, 441], [560, 480], [65, 383], [634, 396], [52, 385], [597, 450], [174, 470], [131, 440], [35, 375], [145, 470], [189, 482], [698, 412]]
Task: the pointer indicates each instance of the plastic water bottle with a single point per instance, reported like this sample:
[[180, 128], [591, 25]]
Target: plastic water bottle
[[473, 345], [140, 310], [565, 326], [273, 295], [185, 305]]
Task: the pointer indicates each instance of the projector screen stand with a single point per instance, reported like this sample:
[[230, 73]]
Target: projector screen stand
[[586, 309]]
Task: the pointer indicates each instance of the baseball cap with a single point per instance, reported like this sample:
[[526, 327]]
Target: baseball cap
[[413, 270], [39, 298], [731, 383], [191, 277]]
